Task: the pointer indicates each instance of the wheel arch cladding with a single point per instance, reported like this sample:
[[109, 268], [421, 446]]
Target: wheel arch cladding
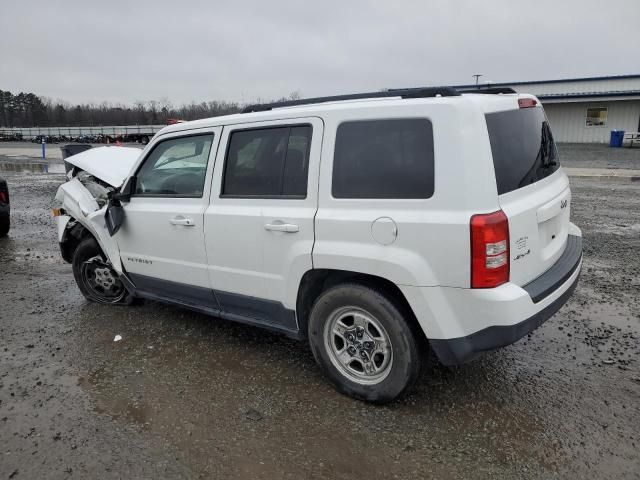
[[316, 281]]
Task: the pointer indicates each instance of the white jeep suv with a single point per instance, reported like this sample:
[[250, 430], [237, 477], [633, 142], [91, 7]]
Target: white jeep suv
[[373, 225]]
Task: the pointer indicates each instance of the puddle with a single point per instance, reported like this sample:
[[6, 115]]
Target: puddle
[[607, 312], [116, 406], [31, 167]]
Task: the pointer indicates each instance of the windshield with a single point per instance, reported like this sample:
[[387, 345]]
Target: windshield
[[523, 148]]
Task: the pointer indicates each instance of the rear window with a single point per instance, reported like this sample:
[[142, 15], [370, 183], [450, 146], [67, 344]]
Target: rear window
[[383, 159], [522, 146]]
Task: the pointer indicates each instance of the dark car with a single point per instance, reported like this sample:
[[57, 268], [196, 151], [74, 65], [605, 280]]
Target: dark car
[[4, 208]]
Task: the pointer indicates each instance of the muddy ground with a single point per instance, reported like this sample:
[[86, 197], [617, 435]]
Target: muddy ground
[[183, 395]]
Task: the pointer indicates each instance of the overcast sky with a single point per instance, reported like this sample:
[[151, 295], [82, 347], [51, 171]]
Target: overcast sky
[[123, 51]]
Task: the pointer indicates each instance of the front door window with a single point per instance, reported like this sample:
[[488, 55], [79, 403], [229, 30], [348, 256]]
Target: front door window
[[176, 168]]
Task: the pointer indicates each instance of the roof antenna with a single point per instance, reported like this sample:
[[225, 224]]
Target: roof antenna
[[477, 75]]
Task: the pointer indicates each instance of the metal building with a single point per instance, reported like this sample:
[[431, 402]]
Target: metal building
[[585, 110]]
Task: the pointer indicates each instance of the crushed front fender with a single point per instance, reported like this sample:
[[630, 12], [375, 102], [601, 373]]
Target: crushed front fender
[[78, 203]]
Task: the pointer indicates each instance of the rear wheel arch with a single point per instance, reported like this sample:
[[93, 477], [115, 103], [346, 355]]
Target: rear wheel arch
[[315, 282]]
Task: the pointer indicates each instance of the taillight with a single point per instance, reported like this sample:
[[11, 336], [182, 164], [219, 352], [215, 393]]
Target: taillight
[[489, 250], [4, 198], [526, 102]]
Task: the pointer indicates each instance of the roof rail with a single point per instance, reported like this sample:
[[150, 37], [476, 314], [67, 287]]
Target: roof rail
[[488, 90], [403, 93]]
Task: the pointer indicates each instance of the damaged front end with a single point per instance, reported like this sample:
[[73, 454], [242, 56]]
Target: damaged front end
[[89, 203]]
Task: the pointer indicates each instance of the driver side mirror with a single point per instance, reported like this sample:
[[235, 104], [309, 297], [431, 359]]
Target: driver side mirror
[[114, 216]]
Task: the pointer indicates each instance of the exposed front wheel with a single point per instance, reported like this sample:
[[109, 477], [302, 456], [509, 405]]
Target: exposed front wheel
[[364, 343], [95, 277]]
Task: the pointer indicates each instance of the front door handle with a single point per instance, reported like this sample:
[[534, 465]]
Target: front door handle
[[281, 227], [180, 220]]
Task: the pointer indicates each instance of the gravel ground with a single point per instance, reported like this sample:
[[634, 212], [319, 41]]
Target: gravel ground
[[584, 155], [183, 395]]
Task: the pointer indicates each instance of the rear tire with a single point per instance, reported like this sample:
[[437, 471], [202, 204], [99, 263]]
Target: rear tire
[[5, 224], [364, 343], [96, 279]]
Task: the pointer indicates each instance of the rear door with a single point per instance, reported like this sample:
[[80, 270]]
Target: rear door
[[259, 225], [533, 191]]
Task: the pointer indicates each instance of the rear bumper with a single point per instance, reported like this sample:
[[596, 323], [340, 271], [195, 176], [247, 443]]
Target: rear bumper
[[463, 323], [552, 279], [455, 351]]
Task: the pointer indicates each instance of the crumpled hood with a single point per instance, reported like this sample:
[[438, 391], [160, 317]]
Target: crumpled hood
[[110, 164]]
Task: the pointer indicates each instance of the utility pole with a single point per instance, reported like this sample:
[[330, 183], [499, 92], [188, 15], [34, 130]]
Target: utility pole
[[477, 75]]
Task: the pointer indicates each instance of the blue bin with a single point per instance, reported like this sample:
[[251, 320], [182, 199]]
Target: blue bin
[[617, 136]]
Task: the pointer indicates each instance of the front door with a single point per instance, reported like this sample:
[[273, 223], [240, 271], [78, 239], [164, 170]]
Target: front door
[[259, 225], [161, 241]]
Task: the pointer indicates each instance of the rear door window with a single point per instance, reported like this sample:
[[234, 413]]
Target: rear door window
[[383, 159], [268, 162], [523, 148]]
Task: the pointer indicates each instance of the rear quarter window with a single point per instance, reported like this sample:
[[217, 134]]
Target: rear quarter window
[[522, 146], [383, 159]]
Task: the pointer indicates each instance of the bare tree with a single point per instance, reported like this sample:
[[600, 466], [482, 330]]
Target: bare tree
[[29, 110]]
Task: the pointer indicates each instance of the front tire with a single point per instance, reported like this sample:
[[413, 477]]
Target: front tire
[[364, 343], [96, 279]]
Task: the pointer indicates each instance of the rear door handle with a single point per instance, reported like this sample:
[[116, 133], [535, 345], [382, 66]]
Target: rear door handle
[[180, 220], [281, 227]]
